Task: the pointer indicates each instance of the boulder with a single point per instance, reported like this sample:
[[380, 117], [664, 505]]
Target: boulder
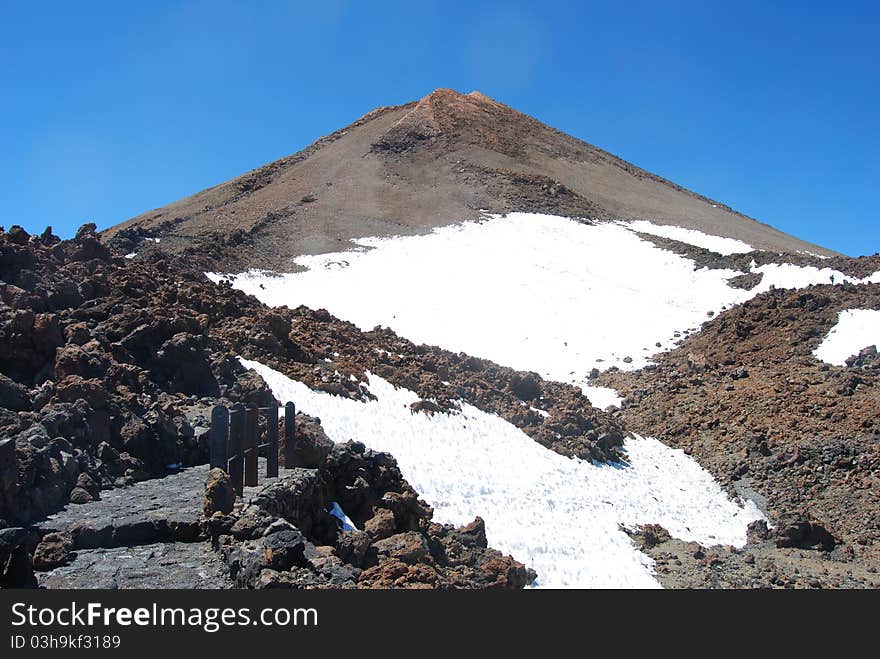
[[16, 569], [381, 525], [53, 551], [13, 396], [799, 529], [311, 444], [409, 547], [79, 495], [219, 493]]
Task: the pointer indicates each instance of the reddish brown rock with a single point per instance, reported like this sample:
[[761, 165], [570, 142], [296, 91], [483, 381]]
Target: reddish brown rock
[[219, 493]]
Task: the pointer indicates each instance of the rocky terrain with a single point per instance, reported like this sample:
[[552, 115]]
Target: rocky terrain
[[286, 538], [746, 397], [189, 530], [109, 369]]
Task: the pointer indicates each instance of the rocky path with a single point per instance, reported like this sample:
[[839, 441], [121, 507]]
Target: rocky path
[[157, 565], [142, 536]]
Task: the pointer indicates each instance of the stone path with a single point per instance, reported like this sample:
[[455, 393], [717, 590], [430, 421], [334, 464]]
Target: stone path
[[158, 565], [138, 539]]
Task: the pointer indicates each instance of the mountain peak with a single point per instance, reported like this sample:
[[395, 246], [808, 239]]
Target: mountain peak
[[446, 157], [472, 117], [445, 95]]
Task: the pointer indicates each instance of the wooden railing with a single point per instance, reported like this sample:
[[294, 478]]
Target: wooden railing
[[236, 440]]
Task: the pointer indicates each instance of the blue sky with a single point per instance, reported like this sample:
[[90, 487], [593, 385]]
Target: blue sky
[[109, 109]]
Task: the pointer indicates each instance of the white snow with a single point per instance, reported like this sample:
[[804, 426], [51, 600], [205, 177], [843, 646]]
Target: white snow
[[557, 515], [786, 275], [718, 244], [131, 255], [602, 397], [855, 329], [533, 292]]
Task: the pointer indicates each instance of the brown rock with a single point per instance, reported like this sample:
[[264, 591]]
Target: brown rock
[[219, 493], [381, 525], [74, 387], [53, 551], [78, 334], [409, 547]]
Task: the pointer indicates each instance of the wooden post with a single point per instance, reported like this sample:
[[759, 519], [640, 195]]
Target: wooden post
[[272, 441], [289, 434], [236, 448], [219, 436], [251, 452]]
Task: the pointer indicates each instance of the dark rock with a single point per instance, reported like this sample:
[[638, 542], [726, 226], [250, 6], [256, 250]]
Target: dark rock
[[865, 357], [757, 531], [284, 549], [134, 531], [16, 569], [87, 536], [802, 531], [653, 535], [526, 386], [13, 396], [79, 495], [353, 548]]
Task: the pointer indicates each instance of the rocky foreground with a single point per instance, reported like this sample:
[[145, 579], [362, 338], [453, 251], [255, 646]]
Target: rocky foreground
[[109, 369], [188, 530]]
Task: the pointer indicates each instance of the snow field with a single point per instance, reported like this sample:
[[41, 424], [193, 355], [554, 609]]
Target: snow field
[[533, 292], [557, 515]]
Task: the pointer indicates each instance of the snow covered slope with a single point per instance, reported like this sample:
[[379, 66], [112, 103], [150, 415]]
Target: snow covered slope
[[557, 515], [534, 292], [855, 329]]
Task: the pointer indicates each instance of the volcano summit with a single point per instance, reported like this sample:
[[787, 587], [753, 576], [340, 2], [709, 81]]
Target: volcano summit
[[406, 169]]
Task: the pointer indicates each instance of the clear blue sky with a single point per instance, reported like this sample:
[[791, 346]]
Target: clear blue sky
[[108, 109]]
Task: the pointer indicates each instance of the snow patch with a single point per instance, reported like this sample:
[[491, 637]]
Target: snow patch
[[557, 515], [717, 244], [786, 275], [855, 329], [602, 397]]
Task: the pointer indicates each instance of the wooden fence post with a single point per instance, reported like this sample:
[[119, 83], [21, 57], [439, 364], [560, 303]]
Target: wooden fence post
[[251, 452], [236, 448], [289, 433], [272, 441], [219, 437]]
